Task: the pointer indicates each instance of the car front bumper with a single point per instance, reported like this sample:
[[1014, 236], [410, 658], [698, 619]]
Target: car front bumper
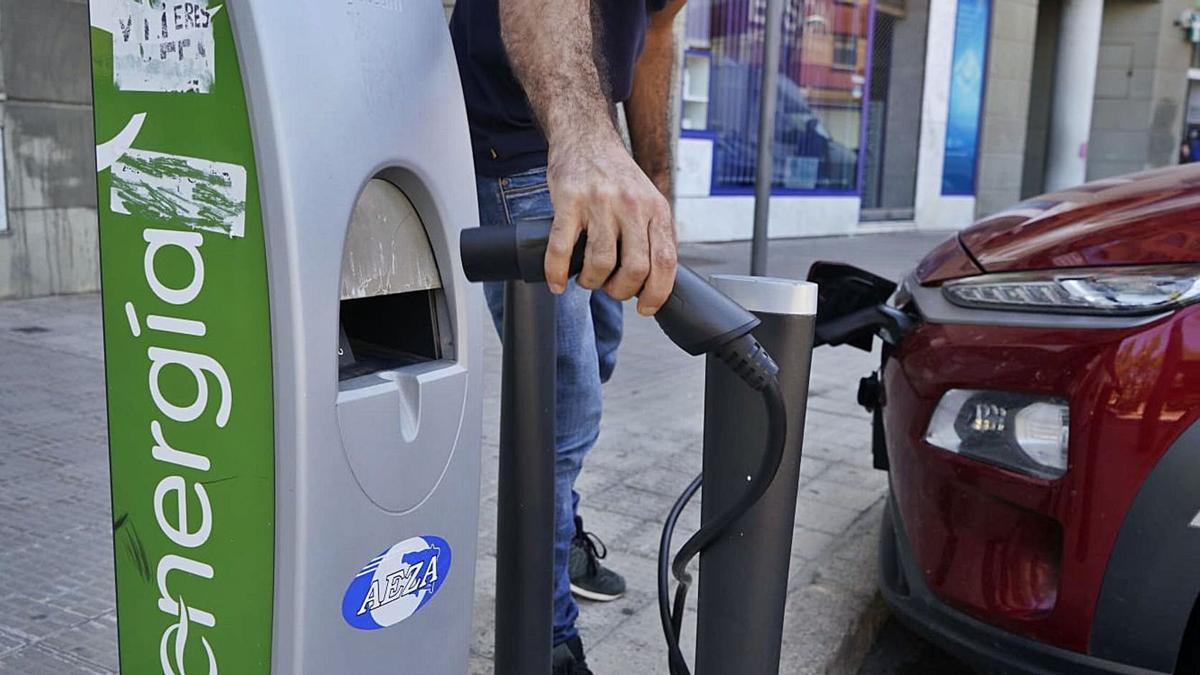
[[990, 649]]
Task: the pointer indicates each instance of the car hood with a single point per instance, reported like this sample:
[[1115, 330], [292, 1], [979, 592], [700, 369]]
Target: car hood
[[1145, 218]]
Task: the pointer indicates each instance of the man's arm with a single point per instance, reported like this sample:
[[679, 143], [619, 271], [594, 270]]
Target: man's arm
[[595, 185], [647, 110]]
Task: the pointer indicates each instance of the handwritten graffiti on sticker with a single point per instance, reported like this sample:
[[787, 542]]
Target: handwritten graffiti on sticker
[[161, 46], [202, 194]]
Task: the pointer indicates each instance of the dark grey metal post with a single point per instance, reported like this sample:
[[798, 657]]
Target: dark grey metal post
[[766, 135], [744, 575], [525, 518]]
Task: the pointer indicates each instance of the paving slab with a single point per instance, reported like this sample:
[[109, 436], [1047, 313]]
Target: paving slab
[[54, 494]]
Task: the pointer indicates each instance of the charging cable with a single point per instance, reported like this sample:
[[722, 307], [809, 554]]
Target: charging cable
[[746, 358]]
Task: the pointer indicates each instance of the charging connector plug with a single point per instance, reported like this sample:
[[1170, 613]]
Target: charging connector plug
[[747, 359]]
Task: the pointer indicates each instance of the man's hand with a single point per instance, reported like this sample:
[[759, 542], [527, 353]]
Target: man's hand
[[597, 187]]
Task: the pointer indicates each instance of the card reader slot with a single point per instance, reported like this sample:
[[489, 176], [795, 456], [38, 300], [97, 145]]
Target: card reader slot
[[393, 312], [386, 332]]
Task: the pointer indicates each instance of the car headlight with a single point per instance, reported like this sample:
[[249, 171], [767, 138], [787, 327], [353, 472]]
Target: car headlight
[[1112, 290], [1025, 433]]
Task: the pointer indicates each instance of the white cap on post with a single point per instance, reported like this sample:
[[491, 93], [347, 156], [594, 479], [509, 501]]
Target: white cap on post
[[770, 295]]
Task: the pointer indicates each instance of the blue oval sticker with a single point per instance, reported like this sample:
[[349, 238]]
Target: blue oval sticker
[[397, 583]]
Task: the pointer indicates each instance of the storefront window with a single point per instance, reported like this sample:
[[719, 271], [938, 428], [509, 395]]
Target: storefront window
[[1189, 149], [845, 51], [818, 119]]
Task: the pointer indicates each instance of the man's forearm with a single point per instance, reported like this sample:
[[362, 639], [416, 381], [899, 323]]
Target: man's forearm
[[647, 110], [550, 47], [595, 185]]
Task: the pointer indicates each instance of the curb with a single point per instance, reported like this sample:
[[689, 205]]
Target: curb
[[835, 612], [859, 640]]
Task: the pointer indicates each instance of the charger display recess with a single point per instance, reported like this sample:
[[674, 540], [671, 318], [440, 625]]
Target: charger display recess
[[395, 353]]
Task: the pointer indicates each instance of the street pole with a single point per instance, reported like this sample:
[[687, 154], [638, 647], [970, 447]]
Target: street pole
[[766, 135]]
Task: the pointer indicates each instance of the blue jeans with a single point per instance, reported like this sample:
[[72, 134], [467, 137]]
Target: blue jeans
[[589, 332]]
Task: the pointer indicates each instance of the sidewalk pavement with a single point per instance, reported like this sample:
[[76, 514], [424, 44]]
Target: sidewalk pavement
[[57, 608]]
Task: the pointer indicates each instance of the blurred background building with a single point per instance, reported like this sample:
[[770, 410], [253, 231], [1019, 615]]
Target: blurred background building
[[48, 239], [926, 114], [892, 115]]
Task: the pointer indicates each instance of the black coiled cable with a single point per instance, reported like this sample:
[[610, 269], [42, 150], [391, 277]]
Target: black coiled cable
[[752, 363]]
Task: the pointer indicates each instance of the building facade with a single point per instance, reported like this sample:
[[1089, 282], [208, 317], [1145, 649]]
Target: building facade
[[927, 114], [892, 114], [48, 237]]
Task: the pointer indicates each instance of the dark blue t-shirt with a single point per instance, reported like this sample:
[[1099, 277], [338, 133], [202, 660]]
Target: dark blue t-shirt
[[504, 135]]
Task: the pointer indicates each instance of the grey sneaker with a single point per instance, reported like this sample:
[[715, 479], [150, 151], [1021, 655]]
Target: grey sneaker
[[589, 579], [568, 658]]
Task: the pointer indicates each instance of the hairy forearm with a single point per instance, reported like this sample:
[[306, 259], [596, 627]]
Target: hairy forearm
[[550, 47], [595, 185], [647, 110]]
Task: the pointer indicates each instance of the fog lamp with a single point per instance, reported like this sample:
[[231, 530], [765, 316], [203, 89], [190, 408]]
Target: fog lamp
[[1025, 433]]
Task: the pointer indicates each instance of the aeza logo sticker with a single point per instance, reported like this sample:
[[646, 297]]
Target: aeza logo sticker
[[397, 583]]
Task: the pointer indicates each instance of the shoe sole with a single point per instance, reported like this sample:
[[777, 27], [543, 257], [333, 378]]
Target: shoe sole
[[594, 595]]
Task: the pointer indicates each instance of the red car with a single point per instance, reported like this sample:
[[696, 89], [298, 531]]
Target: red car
[[1036, 410]]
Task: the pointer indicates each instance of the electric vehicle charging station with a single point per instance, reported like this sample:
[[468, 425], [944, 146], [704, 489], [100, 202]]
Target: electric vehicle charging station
[[293, 358], [292, 350], [752, 451]]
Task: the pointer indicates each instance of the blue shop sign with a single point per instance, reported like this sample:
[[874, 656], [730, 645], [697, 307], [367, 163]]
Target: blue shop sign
[[966, 97]]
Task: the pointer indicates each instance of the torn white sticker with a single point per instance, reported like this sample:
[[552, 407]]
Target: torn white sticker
[[160, 45], [111, 150], [201, 194], [1195, 522]]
